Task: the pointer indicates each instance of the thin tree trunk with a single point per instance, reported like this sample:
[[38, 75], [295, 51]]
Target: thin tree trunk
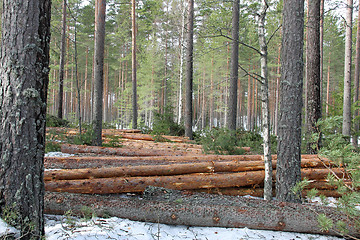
[[346, 128], [180, 104], [356, 83], [189, 72], [291, 87], [249, 100], [322, 13], [328, 87], [277, 100], [234, 72], [133, 64], [265, 102], [24, 71], [77, 80], [62, 63], [99, 72]]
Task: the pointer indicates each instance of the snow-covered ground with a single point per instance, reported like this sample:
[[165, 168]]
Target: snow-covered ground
[[67, 227], [116, 228]]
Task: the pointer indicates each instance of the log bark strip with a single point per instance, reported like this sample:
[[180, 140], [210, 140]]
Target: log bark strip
[[138, 184], [164, 170], [179, 182], [94, 162], [197, 209], [72, 149]]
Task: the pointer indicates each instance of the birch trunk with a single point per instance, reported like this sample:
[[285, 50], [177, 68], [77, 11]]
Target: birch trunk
[[265, 102]]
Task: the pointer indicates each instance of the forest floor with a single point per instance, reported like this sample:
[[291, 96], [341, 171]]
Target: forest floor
[[71, 227]]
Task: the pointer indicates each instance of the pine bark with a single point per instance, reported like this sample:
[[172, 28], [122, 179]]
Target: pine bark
[[23, 90], [161, 205], [189, 72], [346, 127], [313, 57], [99, 72], [291, 88], [234, 68]]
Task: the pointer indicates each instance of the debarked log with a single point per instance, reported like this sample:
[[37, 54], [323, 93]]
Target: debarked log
[[199, 209], [165, 169], [138, 184]]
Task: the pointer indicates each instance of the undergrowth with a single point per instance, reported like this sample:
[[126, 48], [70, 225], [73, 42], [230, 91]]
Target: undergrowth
[[338, 148]]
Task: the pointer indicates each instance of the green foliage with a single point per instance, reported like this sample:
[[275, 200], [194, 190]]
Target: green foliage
[[52, 147], [338, 148], [164, 124], [85, 138], [221, 141], [325, 223], [11, 215], [115, 141], [255, 141], [53, 121], [301, 186], [87, 213]]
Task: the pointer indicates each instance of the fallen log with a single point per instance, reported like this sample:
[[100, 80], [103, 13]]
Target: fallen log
[[138, 184], [198, 209], [179, 182], [259, 192], [73, 149], [96, 162], [165, 169]]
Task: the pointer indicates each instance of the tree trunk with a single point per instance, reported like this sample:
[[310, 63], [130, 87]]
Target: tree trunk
[[328, 87], [289, 145], [182, 46], [189, 72], [99, 72], [24, 83], [265, 102], [133, 64], [161, 205], [346, 127], [313, 100], [234, 69], [356, 83], [62, 63]]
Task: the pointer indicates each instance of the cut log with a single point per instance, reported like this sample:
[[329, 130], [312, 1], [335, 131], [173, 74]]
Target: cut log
[[72, 149], [180, 182], [95, 162], [198, 209], [138, 184], [259, 192], [163, 170]]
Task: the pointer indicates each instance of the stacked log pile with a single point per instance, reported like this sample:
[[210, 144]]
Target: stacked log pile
[[230, 175]]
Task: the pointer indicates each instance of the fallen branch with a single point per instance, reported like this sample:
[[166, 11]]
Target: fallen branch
[[196, 209]]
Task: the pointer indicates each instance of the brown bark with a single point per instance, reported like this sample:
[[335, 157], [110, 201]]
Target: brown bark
[[98, 71], [94, 162], [138, 184], [289, 132], [259, 192], [197, 209], [24, 74], [166, 169], [68, 148]]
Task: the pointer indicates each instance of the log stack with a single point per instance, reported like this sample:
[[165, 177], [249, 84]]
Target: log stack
[[228, 175]]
